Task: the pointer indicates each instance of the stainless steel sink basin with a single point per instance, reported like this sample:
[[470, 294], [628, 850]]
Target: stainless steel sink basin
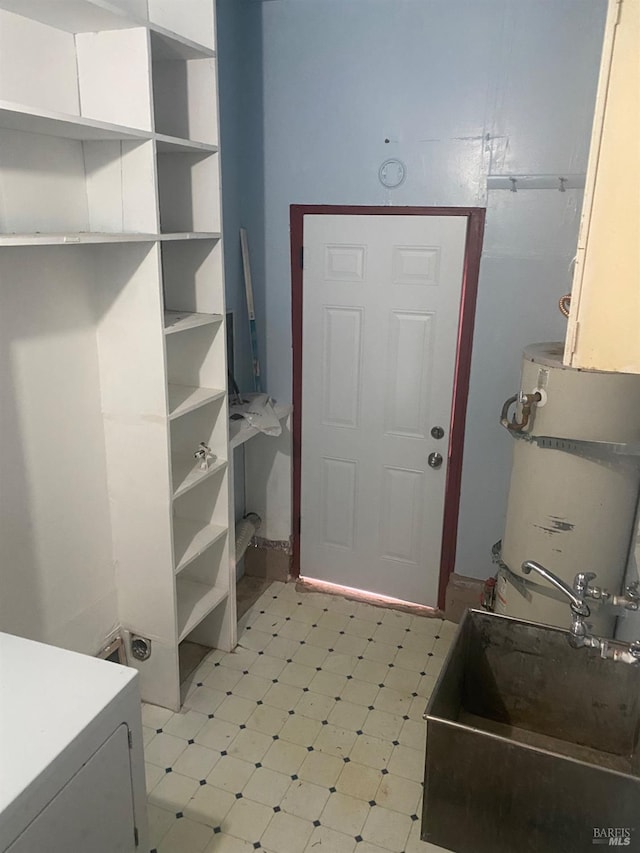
[[531, 745]]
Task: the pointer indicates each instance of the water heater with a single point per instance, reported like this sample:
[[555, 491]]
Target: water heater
[[574, 484]]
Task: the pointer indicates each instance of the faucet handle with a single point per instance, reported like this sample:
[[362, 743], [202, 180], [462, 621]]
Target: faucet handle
[[581, 582]]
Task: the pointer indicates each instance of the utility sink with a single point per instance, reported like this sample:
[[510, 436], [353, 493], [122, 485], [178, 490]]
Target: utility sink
[[531, 745]]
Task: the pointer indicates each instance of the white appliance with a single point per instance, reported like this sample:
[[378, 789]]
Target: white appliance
[[71, 760]]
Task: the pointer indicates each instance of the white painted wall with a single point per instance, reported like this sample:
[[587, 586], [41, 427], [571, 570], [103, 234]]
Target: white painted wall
[[56, 567], [463, 88]]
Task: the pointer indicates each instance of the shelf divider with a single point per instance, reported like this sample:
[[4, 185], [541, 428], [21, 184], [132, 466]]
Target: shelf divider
[[192, 538], [186, 398], [181, 321], [186, 473], [195, 602]]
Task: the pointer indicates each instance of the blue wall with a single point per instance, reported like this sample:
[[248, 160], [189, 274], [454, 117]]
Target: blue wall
[[463, 88]]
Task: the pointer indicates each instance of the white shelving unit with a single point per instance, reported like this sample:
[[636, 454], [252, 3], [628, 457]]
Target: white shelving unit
[[110, 212]]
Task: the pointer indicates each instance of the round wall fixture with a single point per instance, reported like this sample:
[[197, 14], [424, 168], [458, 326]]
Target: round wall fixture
[[392, 173]]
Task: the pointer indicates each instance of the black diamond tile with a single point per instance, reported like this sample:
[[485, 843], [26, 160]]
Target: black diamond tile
[[370, 707], [203, 781], [299, 604], [437, 637], [305, 689], [260, 653], [337, 698], [287, 618], [277, 809], [217, 663], [372, 803], [259, 702], [294, 777], [242, 726], [414, 817], [352, 616], [341, 632], [429, 654], [346, 760], [238, 796], [245, 672], [210, 716], [168, 770], [274, 635], [414, 695], [370, 639], [228, 693], [359, 838], [332, 790], [405, 717], [191, 741], [325, 722], [318, 668], [158, 731], [330, 650], [314, 625], [276, 737], [274, 680], [289, 660], [316, 823], [384, 771], [360, 657], [378, 623], [423, 673], [303, 643], [406, 630], [223, 753], [381, 684], [256, 845], [179, 815], [349, 677], [359, 732], [248, 628], [258, 765], [326, 609], [217, 829], [395, 742], [390, 665], [291, 713], [309, 749]]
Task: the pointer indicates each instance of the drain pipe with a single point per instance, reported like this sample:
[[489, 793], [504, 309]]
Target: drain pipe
[[246, 529]]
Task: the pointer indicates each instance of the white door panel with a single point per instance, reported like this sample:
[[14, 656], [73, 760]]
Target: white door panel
[[380, 319]]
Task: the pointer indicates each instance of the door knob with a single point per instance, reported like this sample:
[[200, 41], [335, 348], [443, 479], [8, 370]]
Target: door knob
[[437, 432], [435, 460]]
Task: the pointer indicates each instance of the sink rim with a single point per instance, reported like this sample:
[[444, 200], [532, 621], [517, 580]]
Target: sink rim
[[430, 716]]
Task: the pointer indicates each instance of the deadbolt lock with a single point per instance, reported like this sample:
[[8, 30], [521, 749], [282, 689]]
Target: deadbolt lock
[[435, 460], [437, 432]]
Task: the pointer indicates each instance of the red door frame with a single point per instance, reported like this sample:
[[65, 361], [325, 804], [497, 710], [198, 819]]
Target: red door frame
[[475, 229]]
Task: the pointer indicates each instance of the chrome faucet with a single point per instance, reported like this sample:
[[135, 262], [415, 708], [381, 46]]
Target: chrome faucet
[[579, 635]]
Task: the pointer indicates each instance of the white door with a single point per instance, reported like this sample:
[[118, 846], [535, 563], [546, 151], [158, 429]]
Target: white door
[[381, 302]]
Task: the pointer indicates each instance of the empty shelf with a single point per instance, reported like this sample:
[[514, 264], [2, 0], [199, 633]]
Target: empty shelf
[[190, 235], [186, 398], [175, 145], [195, 601], [71, 239], [192, 538], [22, 117], [187, 474], [179, 321]]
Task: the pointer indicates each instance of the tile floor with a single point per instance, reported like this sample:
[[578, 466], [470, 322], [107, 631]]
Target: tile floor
[[308, 737]]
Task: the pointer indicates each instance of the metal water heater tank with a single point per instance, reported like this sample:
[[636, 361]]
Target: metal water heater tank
[[574, 485]]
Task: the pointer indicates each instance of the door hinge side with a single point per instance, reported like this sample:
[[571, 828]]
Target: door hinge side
[[301, 257]]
